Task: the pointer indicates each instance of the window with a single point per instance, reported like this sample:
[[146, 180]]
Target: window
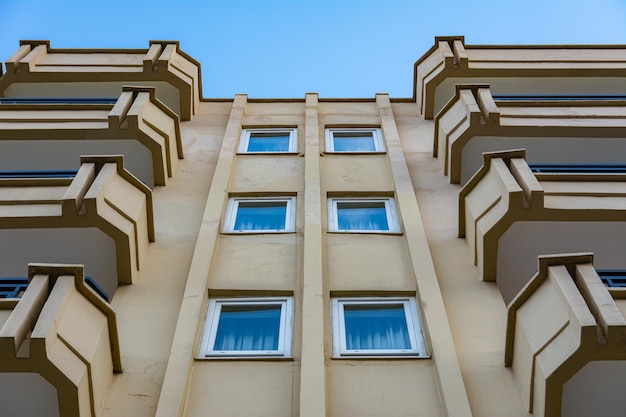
[[261, 215], [248, 327], [354, 140], [268, 141], [376, 327], [362, 215]]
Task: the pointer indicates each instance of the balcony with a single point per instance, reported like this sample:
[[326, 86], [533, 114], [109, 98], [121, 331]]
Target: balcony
[[53, 136], [37, 70], [589, 128], [101, 218], [517, 69], [565, 341], [58, 346], [510, 215]]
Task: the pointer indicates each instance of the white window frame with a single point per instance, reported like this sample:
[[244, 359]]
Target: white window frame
[[390, 210], [233, 207], [379, 143], [411, 314], [212, 321], [245, 140]]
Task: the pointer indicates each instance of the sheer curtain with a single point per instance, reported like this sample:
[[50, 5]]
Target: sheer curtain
[[376, 327], [264, 215], [362, 216], [353, 142], [248, 328]]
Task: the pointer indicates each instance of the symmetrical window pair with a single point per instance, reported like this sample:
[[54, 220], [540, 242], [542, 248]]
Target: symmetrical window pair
[[285, 140], [278, 214], [361, 327]]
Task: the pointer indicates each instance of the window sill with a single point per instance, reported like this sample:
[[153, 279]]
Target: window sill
[[246, 358], [388, 357], [268, 153], [258, 232], [354, 153], [366, 232]]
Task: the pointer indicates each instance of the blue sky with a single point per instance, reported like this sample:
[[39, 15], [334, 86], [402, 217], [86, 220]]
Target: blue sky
[[281, 48]]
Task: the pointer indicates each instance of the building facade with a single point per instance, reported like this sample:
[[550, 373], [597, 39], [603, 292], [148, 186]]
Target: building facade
[[458, 253]]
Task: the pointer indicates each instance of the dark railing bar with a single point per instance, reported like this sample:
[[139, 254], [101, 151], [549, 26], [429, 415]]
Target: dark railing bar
[[578, 168], [559, 97], [39, 174], [58, 100]]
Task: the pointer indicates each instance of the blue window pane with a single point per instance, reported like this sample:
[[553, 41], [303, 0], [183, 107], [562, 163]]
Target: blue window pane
[[353, 142], [268, 142], [376, 327], [248, 327], [362, 216], [265, 215]]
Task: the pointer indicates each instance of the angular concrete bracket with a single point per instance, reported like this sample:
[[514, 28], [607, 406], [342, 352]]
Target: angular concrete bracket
[[63, 331]]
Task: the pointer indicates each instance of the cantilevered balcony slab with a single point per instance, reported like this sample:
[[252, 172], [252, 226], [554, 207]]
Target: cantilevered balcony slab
[[101, 218], [58, 346], [510, 215], [566, 341], [517, 69], [551, 130], [36, 70], [53, 136]]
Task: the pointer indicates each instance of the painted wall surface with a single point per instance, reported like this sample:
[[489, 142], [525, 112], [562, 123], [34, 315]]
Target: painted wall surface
[[88, 246], [520, 245], [242, 388], [382, 388], [544, 150], [18, 391]]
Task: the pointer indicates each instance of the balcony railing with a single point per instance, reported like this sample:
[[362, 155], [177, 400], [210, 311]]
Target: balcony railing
[[38, 174], [613, 278], [578, 168], [15, 287], [45, 100], [563, 97]]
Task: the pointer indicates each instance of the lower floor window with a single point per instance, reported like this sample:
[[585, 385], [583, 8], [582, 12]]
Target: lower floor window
[[248, 327], [376, 327]]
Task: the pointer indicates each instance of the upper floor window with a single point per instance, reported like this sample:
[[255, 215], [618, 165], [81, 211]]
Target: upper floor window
[[386, 326], [362, 215], [271, 214], [268, 141], [363, 140], [248, 327]]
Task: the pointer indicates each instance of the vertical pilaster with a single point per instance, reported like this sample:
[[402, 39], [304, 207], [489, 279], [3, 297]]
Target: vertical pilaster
[[436, 324], [313, 370], [190, 317]]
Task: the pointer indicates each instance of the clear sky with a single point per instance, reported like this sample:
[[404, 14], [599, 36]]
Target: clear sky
[[285, 48]]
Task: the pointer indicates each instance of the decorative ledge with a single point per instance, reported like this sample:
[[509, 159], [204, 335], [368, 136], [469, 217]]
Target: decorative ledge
[[474, 121], [103, 218], [94, 72], [37, 136], [510, 215], [516, 69]]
